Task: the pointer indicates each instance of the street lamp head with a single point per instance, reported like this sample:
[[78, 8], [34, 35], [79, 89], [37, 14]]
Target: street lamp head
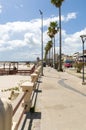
[[83, 37], [40, 12]]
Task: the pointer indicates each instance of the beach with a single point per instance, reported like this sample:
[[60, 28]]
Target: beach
[[11, 81]]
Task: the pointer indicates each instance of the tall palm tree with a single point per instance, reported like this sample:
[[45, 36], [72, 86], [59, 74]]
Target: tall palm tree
[[51, 35], [46, 52], [58, 4], [47, 49], [54, 27], [50, 44]]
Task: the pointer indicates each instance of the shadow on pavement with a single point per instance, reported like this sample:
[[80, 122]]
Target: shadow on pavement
[[31, 116], [63, 84]]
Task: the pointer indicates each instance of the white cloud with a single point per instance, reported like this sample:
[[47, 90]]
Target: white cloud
[[67, 18], [23, 39], [72, 42], [71, 16], [14, 36]]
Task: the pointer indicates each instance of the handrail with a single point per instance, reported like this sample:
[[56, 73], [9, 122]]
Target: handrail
[[23, 71], [15, 109], [17, 125]]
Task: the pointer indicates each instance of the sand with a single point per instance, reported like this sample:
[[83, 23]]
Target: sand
[[11, 81]]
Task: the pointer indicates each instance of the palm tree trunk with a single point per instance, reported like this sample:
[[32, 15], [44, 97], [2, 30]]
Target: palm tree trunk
[[49, 57], [54, 52]]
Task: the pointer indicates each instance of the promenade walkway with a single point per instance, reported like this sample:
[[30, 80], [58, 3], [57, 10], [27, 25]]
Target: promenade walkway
[[61, 102]]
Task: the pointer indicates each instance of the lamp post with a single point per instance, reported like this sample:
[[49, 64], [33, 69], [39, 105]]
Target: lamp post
[[41, 13], [83, 38]]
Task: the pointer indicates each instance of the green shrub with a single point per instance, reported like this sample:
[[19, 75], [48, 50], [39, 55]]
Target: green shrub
[[78, 66]]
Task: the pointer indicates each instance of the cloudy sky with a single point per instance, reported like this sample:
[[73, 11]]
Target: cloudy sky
[[20, 27]]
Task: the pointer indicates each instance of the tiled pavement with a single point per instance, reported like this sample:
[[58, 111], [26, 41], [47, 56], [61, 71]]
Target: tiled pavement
[[62, 101]]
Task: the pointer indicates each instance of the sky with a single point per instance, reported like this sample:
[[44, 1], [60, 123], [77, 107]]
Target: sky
[[20, 27]]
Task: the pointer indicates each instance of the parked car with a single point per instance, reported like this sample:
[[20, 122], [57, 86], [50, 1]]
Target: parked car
[[68, 63]]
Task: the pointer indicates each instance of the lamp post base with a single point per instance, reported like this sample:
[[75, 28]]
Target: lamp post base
[[42, 74], [60, 70], [83, 83]]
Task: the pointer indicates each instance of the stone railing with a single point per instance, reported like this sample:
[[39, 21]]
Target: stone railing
[[7, 112]]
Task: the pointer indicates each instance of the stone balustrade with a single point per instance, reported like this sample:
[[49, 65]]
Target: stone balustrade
[[38, 70], [6, 109], [34, 77]]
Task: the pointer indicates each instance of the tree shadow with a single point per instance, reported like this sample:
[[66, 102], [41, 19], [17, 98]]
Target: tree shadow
[[63, 84]]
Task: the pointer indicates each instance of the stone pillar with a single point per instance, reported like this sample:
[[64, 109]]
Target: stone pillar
[[27, 86], [38, 70], [34, 77], [6, 112]]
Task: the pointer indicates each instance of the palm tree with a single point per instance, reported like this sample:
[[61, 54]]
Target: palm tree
[[58, 4], [47, 49], [46, 52], [54, 27], [51, 35], [50, 44]]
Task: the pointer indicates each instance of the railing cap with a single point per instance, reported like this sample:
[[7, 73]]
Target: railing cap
[[27, 84]]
